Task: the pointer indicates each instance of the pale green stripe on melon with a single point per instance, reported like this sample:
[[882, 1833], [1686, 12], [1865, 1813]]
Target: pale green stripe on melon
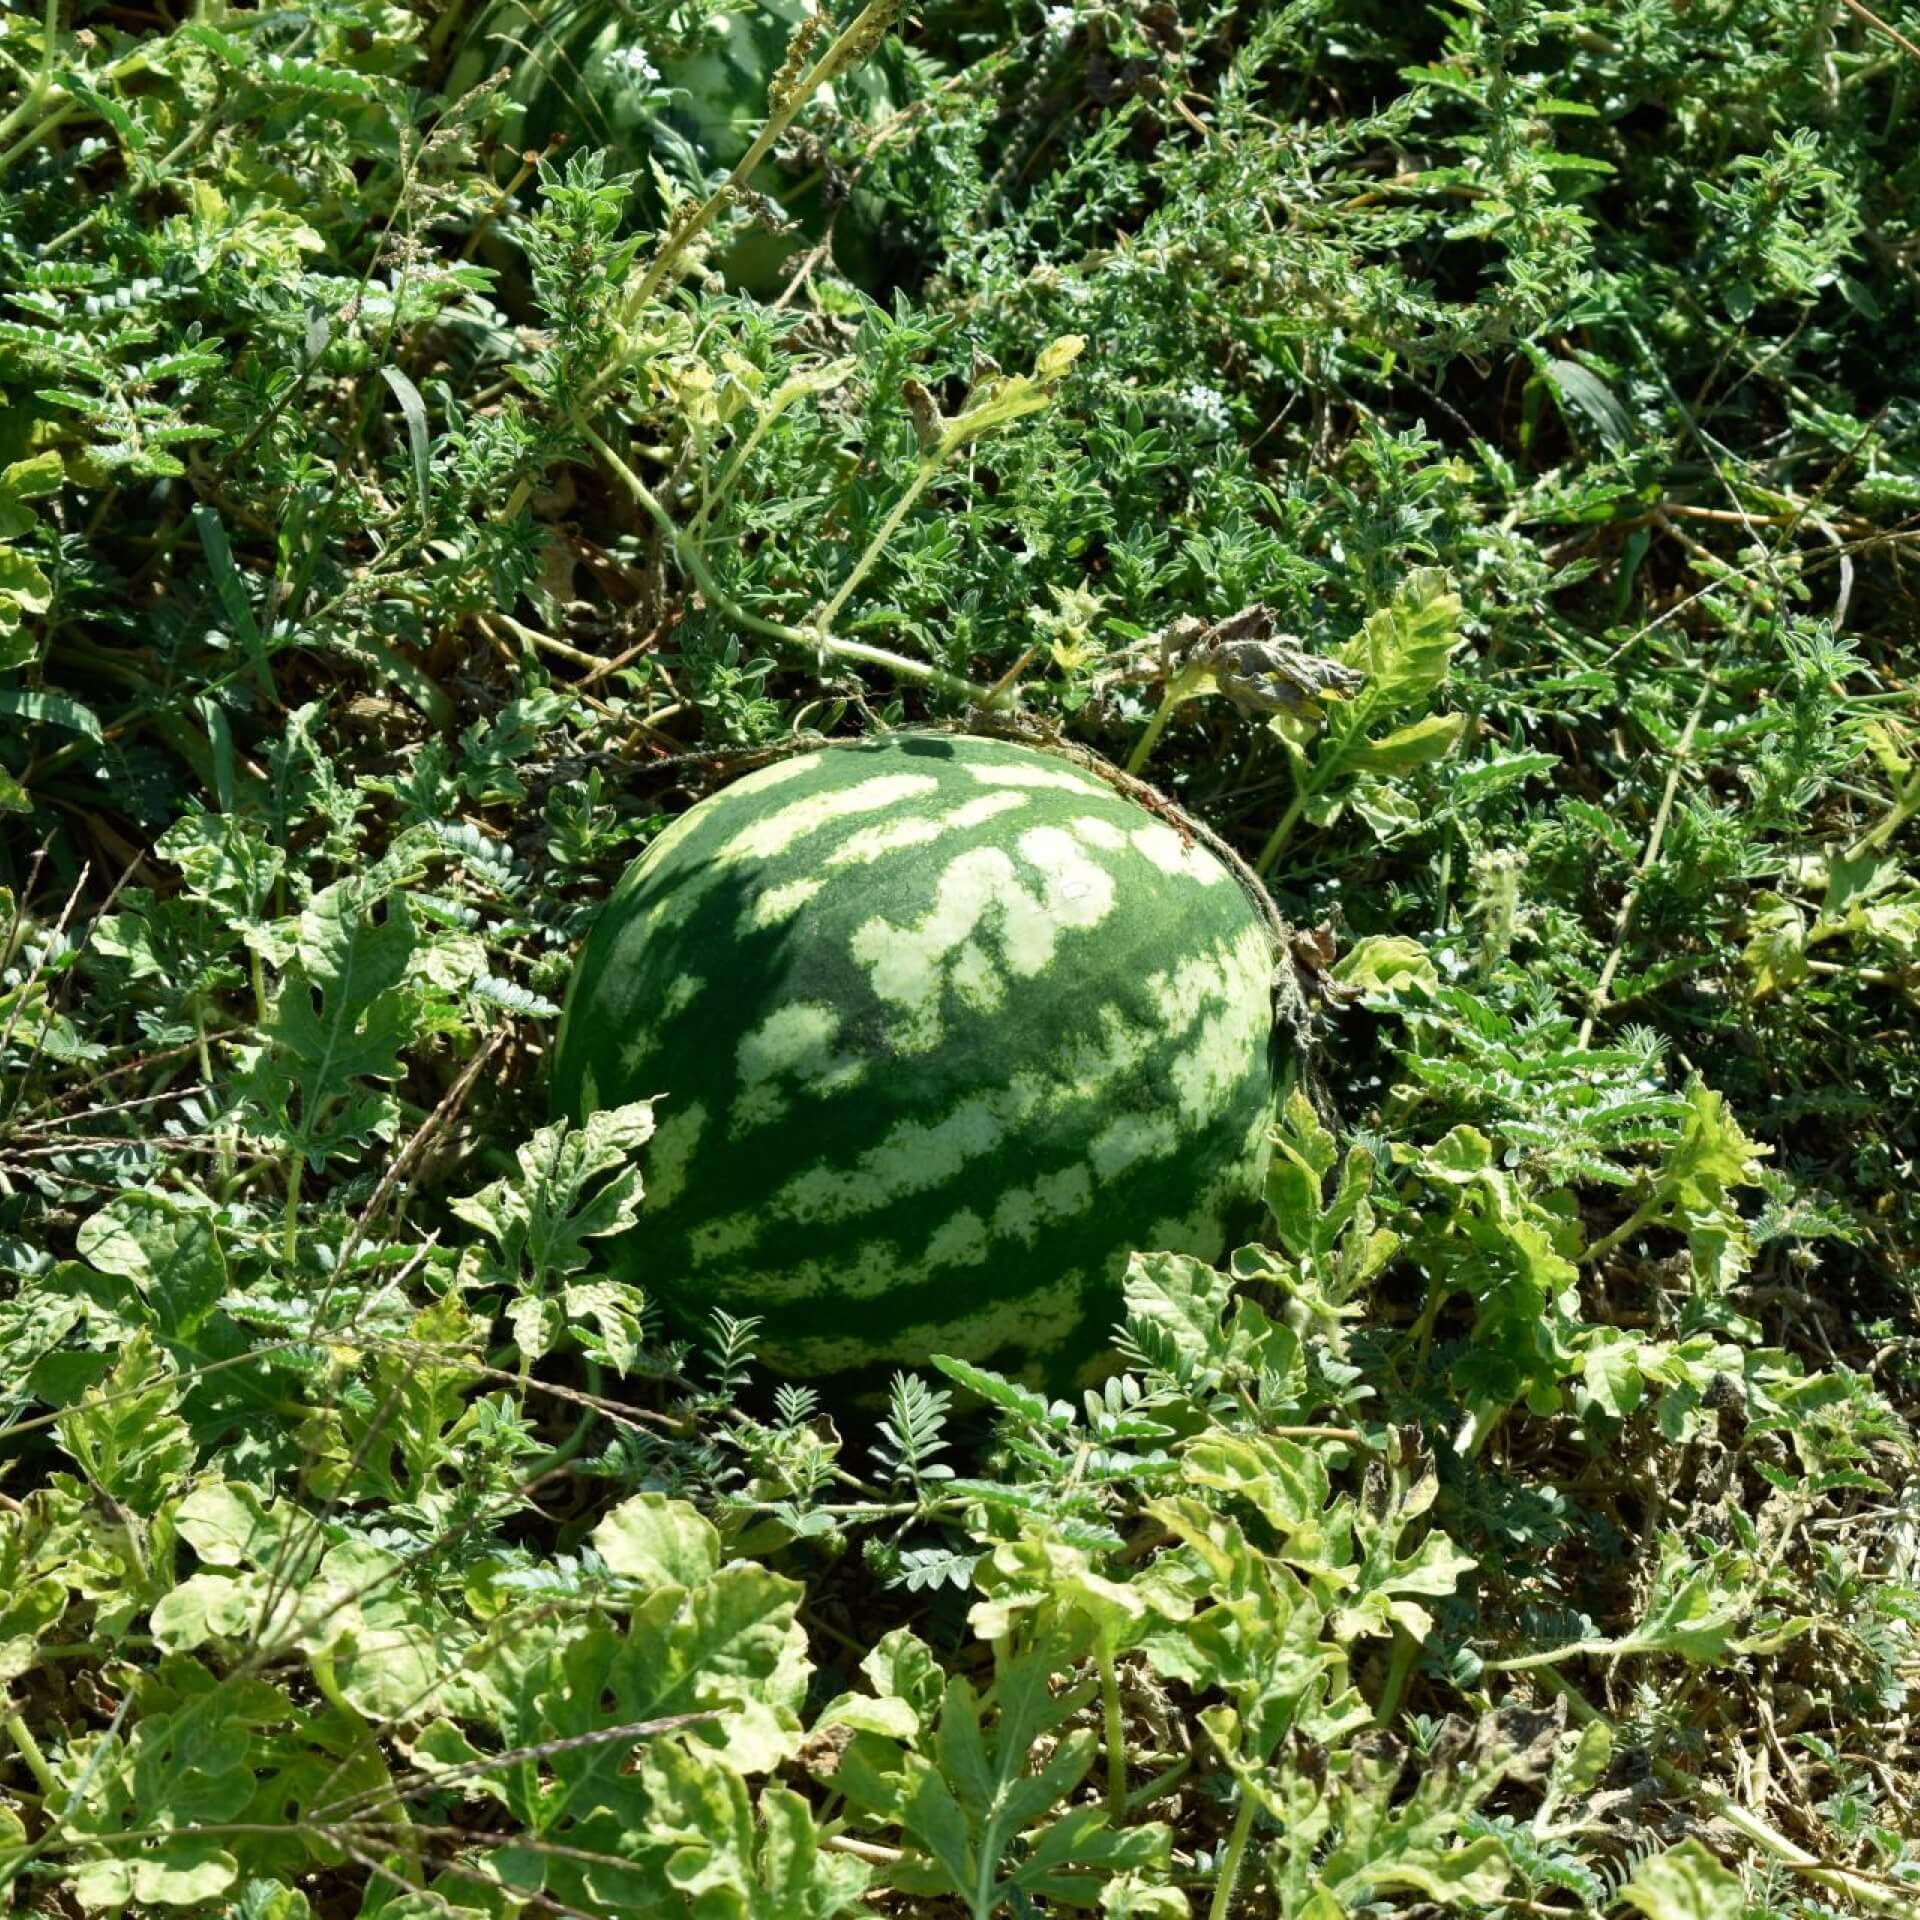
[[1199, 1232], [959, 1241], [911, 834], [874, 1268], [777, 904], [1176, 856], [915, 1157], [1210, 1063], [693, 820], [963, 1239], [1202, 1231], [1101, 833], [980, 897], [724, 1239], [670, 1152], [793, 1043], [1055, 1198], [920, 830], [778, 833], [1007, 773], [1130, 1138], [880, 1268], [1212, 1012], [1034, 1320]]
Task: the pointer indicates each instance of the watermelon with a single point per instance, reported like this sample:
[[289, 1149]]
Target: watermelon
[[942, 1030]]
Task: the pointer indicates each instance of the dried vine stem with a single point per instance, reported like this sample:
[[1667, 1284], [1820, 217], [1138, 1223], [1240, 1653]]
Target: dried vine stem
[[1876, 1898]]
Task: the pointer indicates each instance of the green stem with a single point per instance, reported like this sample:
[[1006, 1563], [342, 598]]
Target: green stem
[[1422, 1329], [224, 1135], [43, 75], [1230, 1861], [320, 1665], [200, 1049], [1399, 1666], [29, 1750], [808, 639], [1161, 1783], [1906, 803], [34, 135], [134, 63], [571, 1447], [1116, 1737], [1277, 840], [1552, 1656], [984, 1900], [290, 1243], [736, 461], [1155, 727], [877, 545], [1641, 1216]]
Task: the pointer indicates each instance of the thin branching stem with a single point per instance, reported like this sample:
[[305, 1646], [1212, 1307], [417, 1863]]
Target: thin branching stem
[[815, 641]]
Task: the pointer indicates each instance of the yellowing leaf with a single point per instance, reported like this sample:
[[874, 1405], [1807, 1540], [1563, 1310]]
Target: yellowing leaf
[[1285, 1482], [34, 478], [1414, 745], [1713, 1154], [997, 402], [227, 1525], [1685, 1883], [1403, 650], [1382, 963], [1054, 360], [183, 1871], [658, 1542]]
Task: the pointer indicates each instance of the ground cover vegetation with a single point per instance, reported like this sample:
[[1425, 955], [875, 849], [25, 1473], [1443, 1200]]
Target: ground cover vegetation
[[1465, 456]]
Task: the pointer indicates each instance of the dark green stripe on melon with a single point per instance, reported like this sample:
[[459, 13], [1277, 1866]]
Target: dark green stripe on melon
[[944, 1028]]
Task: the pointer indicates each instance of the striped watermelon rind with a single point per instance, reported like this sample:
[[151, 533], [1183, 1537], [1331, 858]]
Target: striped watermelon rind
[[944, 1029]]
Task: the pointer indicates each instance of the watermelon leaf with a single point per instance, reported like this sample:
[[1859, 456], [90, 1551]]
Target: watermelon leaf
[[975, 1813], [1402, 654], [575, 1184], [338, 1023]]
